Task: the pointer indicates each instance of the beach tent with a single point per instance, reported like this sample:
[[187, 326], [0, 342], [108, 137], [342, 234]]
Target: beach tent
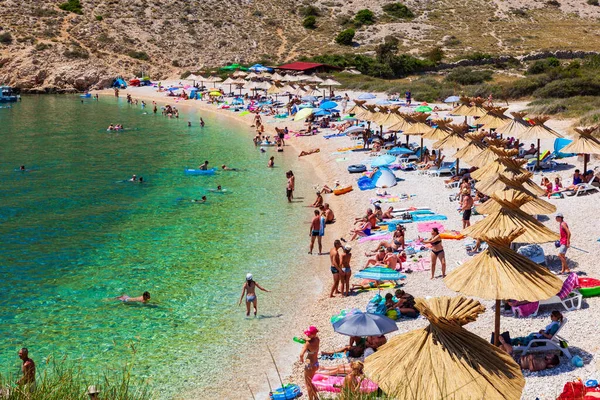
[[559, 144], [443, 360], [383, 178], [383, 161], [260, 68], [119, 83]]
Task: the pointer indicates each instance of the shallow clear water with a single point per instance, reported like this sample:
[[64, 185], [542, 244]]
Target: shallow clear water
[[74, 234]]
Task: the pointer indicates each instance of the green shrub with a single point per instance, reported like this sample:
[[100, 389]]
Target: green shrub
[[99, 18], [435, 55], [185, 75], [76, 52], [478, 56], [73, 6], [592, 2], [468, 76], [542, 66], [6, 38], [42, 46], [364, 17], [345, 37], [139, 55], [310, 11], [398, 10], [310, 22], [570, 87], [553, 3], [524, 87]]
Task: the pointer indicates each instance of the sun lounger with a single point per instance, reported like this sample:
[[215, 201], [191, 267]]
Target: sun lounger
[[569, 297], [544, 344], [445, 168], [585, 187]]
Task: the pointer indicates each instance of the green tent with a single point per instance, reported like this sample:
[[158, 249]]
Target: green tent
[[233, 67]]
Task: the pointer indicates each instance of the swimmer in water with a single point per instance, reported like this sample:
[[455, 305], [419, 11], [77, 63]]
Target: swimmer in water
[[111, 128], [204, 166], [271, 162], [249, 289], [22, 168], [262, 150], [219, 188], [203, 200], [144, 298], [201, 122], [226, 168], [141, 179], [133, 178], [189, 123]]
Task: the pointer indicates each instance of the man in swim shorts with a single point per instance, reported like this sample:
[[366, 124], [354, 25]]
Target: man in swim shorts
[[315, 232], [336, 266], [466, 204]]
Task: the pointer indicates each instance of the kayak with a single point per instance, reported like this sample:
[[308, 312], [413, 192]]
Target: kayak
[[191, 171], [344, 190], [589, 287]]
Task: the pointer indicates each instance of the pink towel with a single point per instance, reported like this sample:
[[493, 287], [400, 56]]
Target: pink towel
[[428, 226], [374, 237], [525, 310], [570, 283], [423, 264]]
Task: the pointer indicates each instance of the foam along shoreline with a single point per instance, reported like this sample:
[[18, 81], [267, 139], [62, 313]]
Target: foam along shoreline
[[431, 192]]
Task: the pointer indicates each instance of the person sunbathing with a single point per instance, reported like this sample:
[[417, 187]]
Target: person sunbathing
[[363, 230], [403, 303], [388, 214], [531, 362], [370, 285], [545, 183], [547, 333], [379, 257], [391, 260], [349, 351], [318, 201], [557, 188], [397, 243], [305, 153]]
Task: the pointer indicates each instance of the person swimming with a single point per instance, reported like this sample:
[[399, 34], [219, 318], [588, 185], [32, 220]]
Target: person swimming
[[133, 178], [202, 200], [144, 298], [226, 168], [22, 168], [201, 122], [204, 166]]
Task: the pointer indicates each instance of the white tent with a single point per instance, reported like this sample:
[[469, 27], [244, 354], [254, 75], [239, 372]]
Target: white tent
[[384, 178]]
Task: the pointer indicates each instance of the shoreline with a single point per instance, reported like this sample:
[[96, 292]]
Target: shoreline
[[431, 192]]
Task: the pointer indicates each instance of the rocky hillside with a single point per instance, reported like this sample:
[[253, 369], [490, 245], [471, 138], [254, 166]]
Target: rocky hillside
[[46, 48]]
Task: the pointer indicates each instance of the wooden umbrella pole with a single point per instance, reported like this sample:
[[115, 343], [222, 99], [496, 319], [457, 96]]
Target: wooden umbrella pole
[[407, 136], [538, 155], [422, 149], [497, 324], [585, 161]]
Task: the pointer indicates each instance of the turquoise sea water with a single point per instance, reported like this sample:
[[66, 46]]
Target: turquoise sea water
[[74, 234]]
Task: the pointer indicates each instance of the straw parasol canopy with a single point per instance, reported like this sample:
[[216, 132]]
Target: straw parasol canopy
[[330, 82], [315, 79], [539, 131], [418, 127], [444, 360], [213, 79], [584, 143], [239, 74], [464, 107], [514, 127], [358, 107], [453, 140], [274, 89], [477, 109], [499, 181], [439, 131], [403, 122], [494, 118], [516, 193], [508, 217], [475, 147], [276, 77], [501, 164]]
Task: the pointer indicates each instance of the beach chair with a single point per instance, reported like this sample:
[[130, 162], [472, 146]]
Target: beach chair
[[569, 297], [445, 168], [585, 187], [542, 345], [453, 185]]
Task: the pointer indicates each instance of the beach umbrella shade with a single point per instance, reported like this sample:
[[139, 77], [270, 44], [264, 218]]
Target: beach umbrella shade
[[439, 131], [303, 114], [354, 129], [383, 161], [494, 118], [239, 74], [498, 181], [380, 274], [509, 217], [584, 143], [452, 99], [215, 93], [327, 105], [315, 79], [383, 102], [444, 360], [403, 123], [477, 109], [514, 127], [502, 164], [367, 96], [516, 194], [475, 147], [423, 109], [330, 82], [463, 108], [499, 272], [454, 140], [364, 324], [537, 131], [418, 127]]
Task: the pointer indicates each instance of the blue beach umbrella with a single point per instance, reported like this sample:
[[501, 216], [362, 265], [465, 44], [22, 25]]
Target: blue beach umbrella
[[318, 112], [383, 102], [367, 96], [327, 105], [380, 274], [365, 324], [396, 151], [452, 99], [383, 161]]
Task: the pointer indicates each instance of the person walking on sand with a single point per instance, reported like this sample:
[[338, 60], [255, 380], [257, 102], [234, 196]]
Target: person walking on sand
[[28, 369], [437, 251], [317, 231], [565, 243], [336, 266], [249, 289], [345, 258], [311, 350], [466, 204]]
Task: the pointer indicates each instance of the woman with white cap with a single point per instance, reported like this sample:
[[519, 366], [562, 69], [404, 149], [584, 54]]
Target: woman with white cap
[[249, 289], [93, 392]]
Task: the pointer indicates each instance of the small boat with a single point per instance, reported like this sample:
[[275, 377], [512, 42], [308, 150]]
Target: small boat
[[192, 171], [344, 190], [7, 95]]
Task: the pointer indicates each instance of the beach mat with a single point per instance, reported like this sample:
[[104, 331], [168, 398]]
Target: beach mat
[[428, 226]]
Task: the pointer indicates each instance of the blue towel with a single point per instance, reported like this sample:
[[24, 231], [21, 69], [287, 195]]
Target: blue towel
[[434, 217]]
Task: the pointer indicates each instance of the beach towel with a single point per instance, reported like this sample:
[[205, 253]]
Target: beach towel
[[422, 264], [428, 226], [526, 309], [333, 135], [322, 227], [570, 283], [377, 236], [434, 217]]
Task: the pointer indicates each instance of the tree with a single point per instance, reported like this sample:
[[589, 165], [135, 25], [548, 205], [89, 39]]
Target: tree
[[310, 22], [435, 55], [73, 6], [345, 37], [398, 10], [386, 50], [365, 17]]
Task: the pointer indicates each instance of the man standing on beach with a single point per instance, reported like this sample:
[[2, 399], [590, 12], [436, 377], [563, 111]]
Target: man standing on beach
[[408, 97], [466, 204], [565, 243], [28, 369], [316, 231], [336, 266]]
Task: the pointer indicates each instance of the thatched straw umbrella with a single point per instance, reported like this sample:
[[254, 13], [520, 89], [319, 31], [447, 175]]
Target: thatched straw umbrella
[[494, 118], [508, 217], [499, 181], [357, 108], [539, 131], [444, 360], [439, 131], [454, 140], [499, 273], [584, 143], [464, 107], [516, 194], [514, 127], [502, 164], [477, 109], [418, 127], [473, 148]]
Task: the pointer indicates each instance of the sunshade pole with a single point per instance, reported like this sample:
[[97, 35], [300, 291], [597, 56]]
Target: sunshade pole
[[538, 154], [422, 149], [585, 161], [497, 324], [407, 136], [457, 164]]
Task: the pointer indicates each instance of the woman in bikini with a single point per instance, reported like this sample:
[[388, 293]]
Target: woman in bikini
[[311, 350], [249, 289], [437, 252]]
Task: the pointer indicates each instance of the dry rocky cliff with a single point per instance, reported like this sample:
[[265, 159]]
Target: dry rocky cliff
[[46, 49]]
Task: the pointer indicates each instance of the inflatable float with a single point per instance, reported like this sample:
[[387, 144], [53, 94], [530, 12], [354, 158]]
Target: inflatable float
[[287, 392], [357, 168], [589, 287], [326, 383], [455, 235], [191, 171], [344, 190], [350, 148]]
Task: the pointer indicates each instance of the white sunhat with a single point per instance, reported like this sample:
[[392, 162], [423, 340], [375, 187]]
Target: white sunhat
[[248, 277]]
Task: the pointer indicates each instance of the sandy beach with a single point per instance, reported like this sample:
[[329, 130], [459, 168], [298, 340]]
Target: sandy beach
[[579, 212]]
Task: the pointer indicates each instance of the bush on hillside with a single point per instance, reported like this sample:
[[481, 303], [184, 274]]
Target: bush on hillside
[[345, 37], [542, 66], [398, 10], [310, 11], [592, 2], [364, 17], [73, 6], [587, 86], [139, 55], [6, 38], [468, 76], [478, 56], [310, 22], [435, 55]]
